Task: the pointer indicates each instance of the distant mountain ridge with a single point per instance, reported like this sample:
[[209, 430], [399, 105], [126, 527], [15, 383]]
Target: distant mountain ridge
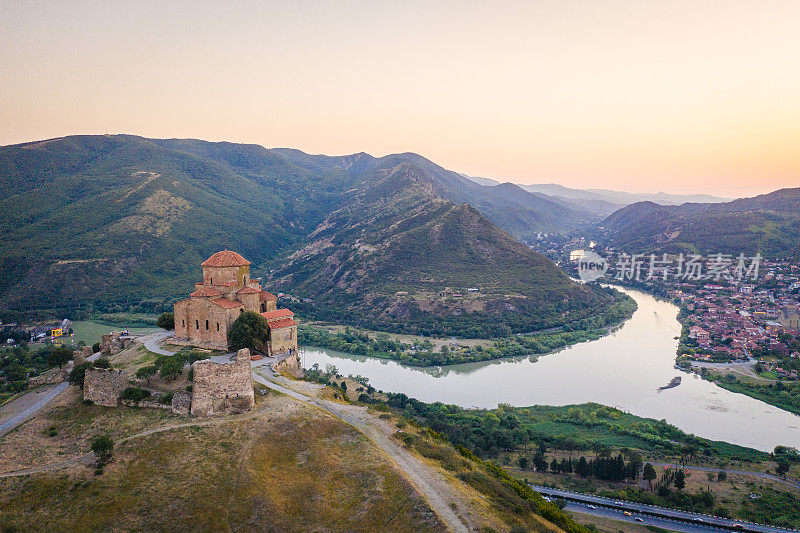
[[602, 202], [768, 223]]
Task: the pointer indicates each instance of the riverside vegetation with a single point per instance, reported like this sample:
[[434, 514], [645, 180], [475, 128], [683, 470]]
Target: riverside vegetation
[[383, 346]]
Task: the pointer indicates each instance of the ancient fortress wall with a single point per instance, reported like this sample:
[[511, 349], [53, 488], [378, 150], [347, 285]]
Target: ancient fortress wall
[[103, 386], [223, 387]]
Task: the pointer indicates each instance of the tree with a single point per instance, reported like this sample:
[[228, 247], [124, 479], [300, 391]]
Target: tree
[[146, 372], [103, 447], [680, 479], [102, 362], [78, 373], [249, 330], [59, 357], [166, 321], [649, 474], [782, 468], [722, 475], [171, 368], [95, 347], [522, 462]]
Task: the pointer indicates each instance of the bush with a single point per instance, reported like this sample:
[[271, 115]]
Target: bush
[[166, 321], [103, 447], [78, 373], [170, 367], [59, 357], [249, 330], [102, 362], [134, 394], [95, 347], [166, 399]]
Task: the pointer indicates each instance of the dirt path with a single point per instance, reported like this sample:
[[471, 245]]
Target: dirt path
[[432, 485]]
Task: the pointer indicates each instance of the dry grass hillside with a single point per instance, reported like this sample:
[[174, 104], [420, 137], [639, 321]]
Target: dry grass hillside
[[285, 467]]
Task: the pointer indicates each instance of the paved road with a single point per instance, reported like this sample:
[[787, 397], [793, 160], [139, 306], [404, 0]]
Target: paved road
[[698, 521], [44, 398], [152, 341]]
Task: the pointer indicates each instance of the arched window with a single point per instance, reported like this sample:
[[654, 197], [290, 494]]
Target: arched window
[[263, 307], [183, 323], [211, 280], [196, 324], [206, 324], [217, 326]]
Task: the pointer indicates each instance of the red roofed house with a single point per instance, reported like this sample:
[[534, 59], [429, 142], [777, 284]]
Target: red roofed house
[[226, 292]]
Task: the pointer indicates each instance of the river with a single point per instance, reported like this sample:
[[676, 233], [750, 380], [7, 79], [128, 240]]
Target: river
[[623, 369]]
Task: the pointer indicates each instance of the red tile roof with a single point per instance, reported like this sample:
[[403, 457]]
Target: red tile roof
[[282, 323], [276, 314], [227, 304], [267, 296], [225, 258], [248, 290], [206, 292]]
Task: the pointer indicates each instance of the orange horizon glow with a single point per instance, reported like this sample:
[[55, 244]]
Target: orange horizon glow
[[679, 97]]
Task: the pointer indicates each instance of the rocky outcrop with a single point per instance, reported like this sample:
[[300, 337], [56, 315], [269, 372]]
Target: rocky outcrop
[[181, 403]]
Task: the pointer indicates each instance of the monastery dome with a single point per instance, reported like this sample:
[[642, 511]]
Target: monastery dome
[[225, 258]]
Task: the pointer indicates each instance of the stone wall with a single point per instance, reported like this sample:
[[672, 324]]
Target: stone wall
[[113, 343], [103, 386], [181, 403], [54, 375], [223, 387], [284, 340], [290, 365]]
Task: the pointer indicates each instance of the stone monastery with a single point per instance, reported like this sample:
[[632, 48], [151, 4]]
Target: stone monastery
[[227, 291]]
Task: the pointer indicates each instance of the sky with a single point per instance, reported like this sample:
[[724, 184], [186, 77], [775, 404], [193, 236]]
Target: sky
[[675, 96]]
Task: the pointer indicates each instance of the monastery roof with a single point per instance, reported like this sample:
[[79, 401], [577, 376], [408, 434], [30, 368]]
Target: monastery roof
[[225, 258], [277, 313], [282, 323], [247, 289], [227, 304], [267, 296], [206, 292]]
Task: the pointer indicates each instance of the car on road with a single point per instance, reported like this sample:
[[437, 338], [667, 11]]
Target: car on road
[[639, 519], [627, 513], [590, 506]]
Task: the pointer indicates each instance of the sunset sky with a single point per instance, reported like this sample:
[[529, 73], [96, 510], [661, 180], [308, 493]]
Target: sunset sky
[[643, 96]]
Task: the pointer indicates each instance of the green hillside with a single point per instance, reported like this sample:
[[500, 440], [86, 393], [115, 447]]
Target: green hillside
[[769, 223], [398, 257], [119, 223]]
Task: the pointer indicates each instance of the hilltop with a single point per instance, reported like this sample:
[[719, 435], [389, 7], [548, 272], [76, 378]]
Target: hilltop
[[398, 257]]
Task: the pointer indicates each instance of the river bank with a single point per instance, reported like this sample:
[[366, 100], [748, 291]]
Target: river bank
[[623, 369], [422, 352]]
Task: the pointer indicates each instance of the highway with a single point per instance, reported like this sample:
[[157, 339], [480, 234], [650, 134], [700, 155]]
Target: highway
[[672, 519]]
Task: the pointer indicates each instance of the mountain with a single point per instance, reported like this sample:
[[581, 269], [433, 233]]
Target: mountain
[[119, 223], [601, 202], [399, 257], [769, 223]]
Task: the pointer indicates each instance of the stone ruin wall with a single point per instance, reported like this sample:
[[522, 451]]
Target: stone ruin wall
[[290, 365], [223, 387], [103, 386]]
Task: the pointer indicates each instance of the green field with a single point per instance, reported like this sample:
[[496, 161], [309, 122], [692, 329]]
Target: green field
[[90, 332]]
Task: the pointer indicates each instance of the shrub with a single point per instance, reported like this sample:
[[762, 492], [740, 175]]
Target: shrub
[[166, 399], [166, 321], [78, 373], [249, 330], [102, 446], [102, 362], [134, 394], [59, 357], [95, 347]]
